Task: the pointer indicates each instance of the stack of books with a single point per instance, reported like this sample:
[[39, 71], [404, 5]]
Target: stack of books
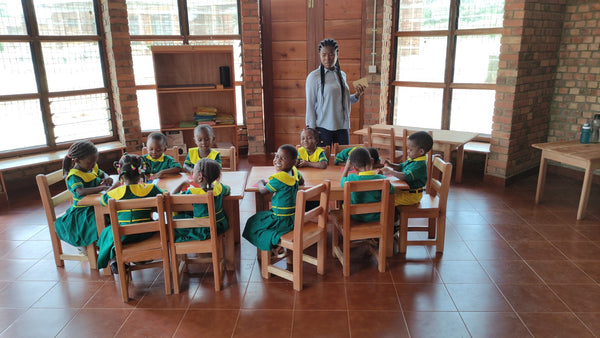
[[223, 118], [205, 115]]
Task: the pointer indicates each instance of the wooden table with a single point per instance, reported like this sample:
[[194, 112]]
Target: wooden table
[[444, 140], [312, 177], [586, 156]]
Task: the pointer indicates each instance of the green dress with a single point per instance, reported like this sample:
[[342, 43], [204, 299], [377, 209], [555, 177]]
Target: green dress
[[365, 196], [106, 243], [265, 228], [342, 156], [193, 156], [163, 162], [201, 211], [78, 225]]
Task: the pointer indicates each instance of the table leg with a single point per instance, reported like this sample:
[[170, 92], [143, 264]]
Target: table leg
[[541, 179], [99, 212], [3, 192], [459, 163], [390, 230], [585, 191], [232, 211]]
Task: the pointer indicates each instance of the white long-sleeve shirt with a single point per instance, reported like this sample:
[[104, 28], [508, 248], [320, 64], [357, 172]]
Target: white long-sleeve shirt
[[326, 111]]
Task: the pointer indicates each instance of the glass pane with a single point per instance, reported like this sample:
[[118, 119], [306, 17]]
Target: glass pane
[[418, 107], [421, 59], [15, 118], [477, 58], [12, 21], [472, 110], [423, 15], [16, 69], [80, 117], [143, 67], [239, 104], [213, 17], [72, 65], [153, 17], [148, 107], [480, 14], [65, 17]]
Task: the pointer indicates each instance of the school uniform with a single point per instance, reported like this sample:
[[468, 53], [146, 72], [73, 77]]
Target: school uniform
[[265, 228], [343, 155], [365, 196], [154, 166], [78, 225], [201, 211], [317, 156], [193, 156], [106, 243], [416, 177]]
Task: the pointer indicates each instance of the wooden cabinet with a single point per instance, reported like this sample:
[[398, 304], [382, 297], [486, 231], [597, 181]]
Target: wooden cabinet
[[188, 77]]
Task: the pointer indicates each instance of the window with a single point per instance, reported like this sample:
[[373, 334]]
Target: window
[[158, 22], [53, 89], [446, 62]]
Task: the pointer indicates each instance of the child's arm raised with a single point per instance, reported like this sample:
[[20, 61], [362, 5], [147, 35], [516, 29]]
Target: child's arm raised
[[346, 169]]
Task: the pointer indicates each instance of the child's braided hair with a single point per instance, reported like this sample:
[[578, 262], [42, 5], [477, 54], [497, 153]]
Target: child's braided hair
[[132, 167], [208, 169], [77, 151]]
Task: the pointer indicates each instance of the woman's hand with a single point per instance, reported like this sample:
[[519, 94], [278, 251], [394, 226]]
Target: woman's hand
[[360, 89]]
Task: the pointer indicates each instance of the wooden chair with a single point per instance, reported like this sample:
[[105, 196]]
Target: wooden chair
[[384, 140], [305, 234], [352, 230], [405, 134], [50, 202], [214, 245], [173, 152], [153, 248], [432, 207], [228, 158]]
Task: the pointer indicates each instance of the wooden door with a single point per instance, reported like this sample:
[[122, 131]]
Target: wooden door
[[291, 33]]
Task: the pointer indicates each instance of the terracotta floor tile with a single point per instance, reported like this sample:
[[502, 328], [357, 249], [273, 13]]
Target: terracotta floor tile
[[156, 298], [561, 233], [462, 272], [559, 272], [22, 232], [453, 251], [492, 250], [532, 298], [424, 297], [322, 296], [435, 324], [465, 217], [490, 204], [30, 250], [40, 323], [518, 232], [477, 297], [372, 297], [377, 324], [109, 296], [537, 250], [264, 323], [414, 272], [477, 232], [8, 316], [13, 268], [95, 323], [207, 323], [23, 294], [505, 216], [591, 320], [151, 322], [230, 296], [46, 270], [269, 296], [579, 250], [318, 323], [366, 271], [563, 324], [68, 295], [510, 272], [7, 246], [591, 268], [494, 324], [579, 297]]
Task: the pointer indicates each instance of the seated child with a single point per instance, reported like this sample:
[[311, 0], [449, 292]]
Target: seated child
[[131, 169], [342, 156], [361, 161], [80, 170], [157, 163], [414, 170], [265, 228], [204, 138], [206, 173], [309, 155]]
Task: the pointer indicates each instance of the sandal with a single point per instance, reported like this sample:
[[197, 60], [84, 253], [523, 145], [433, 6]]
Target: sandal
[[278, 252]]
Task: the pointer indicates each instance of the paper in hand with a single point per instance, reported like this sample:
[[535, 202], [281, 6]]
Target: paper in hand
[[363, 82]]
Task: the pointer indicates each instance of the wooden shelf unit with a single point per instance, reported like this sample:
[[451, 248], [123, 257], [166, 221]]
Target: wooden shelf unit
[[188, 77]]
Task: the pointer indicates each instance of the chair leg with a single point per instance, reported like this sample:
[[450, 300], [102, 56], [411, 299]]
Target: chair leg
[[265, 260], [216, 261], [297, 266], [175, 271], [56, 248], [92, 256], [167, 274], [439, 243], [403, 233], [334, 239], [230, 250], [321, 251], [346, 256], [123, 280], [431, 226]]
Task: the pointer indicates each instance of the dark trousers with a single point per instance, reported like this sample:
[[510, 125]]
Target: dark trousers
[[328, 137]]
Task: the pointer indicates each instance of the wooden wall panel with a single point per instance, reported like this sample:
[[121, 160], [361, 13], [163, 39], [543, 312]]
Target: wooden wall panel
[[284, 31], [289, 107], [289, 70], [343, 29], [336, 9], [291, 125], [349, 49], [289, 50], [289, 88], [288, 11]]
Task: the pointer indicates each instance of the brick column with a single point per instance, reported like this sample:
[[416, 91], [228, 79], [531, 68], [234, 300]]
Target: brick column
[[120, 68]]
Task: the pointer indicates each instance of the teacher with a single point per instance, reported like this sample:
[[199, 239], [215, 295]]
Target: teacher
[[328, 98]]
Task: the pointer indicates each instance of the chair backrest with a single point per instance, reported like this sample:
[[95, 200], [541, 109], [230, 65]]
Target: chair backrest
[[48, 201], [173, 152], [384, 140], [380, 207], [405, 134], [339, 147], [228, 158], [440, 186], [320, 190], [327, 152], [179, 203]]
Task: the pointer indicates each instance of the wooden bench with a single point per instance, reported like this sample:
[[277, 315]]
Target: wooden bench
[[14, 163], [478, 148]]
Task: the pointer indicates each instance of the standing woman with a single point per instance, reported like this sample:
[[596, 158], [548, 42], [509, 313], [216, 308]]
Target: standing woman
[[328, 98]]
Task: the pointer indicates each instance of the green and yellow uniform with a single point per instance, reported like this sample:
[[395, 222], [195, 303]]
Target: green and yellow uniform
[[265, 228], [416, 177], [343, 155], [317, 156], [154, 166], [193, 156], [78, 225], [365, 196]]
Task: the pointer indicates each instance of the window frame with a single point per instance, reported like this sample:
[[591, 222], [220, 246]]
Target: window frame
[[451, 34]]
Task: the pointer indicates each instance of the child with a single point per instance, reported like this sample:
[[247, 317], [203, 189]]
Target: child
[[206, 173], [414, 170], [204, 137], [361, 161], [265, 228], [342, 156], [157, 163], [131, 169], [309, 155], [78, 225]]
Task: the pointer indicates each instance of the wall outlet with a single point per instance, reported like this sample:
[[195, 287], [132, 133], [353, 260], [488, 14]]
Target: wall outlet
[[372, 69]]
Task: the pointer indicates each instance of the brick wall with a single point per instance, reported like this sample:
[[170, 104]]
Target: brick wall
[[528, 60], [576, 90]]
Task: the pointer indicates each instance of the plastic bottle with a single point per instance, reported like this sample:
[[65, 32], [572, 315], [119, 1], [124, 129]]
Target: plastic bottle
[[595, 129], [585, 133]]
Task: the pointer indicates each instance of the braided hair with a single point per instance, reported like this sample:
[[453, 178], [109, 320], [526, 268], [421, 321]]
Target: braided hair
[[333, 44], [132, 167], [208, 169], [77, 151]]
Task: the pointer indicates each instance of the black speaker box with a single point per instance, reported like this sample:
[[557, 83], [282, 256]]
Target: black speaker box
[[225, 74]]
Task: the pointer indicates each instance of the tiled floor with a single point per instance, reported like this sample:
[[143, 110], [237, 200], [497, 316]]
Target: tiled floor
[[510, 269]]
